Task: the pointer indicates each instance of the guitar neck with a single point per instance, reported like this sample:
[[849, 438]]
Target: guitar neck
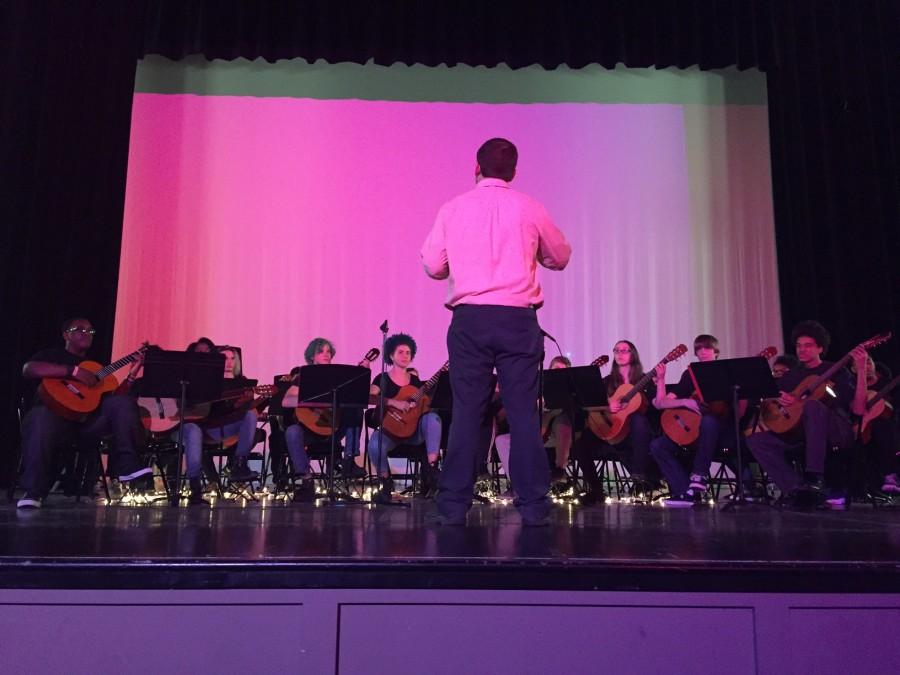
[[884, 391], [638, 386], [115, 365], [824, 377], [429, 384]]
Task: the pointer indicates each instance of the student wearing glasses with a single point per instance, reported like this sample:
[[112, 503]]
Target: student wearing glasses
[[43, 431], [626, 368]]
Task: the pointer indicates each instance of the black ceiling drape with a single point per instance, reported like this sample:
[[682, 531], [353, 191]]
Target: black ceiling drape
[[69, 75], [638, 33]]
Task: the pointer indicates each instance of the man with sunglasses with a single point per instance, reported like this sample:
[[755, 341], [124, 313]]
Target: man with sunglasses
[[43, 431]]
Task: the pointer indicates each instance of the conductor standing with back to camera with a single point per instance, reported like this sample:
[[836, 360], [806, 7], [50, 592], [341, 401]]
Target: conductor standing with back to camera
[[488, 242]]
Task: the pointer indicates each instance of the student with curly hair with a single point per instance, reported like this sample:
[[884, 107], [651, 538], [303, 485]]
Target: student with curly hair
[[399, 352]]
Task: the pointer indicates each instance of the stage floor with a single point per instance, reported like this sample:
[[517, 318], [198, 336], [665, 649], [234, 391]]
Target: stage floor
[[275, 544]]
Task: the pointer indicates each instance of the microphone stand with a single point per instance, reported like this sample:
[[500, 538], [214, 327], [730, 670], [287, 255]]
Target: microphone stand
[[384, 331]]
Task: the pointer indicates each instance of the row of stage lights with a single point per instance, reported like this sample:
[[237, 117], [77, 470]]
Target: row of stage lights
[[244, 496]]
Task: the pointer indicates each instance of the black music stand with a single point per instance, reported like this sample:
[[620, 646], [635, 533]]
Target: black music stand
[[735, 380], [334, 386], [191, 377], [573, 388], [442, 394], [441, 397], [442, 401]]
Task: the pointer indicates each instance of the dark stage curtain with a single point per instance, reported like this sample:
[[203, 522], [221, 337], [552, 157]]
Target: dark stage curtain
[[69, 75], [833, 112], [638, 33], [68, 80]]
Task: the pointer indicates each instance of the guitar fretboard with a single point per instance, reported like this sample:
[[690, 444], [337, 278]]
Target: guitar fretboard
[[639, 385], [430, 383], [115, 365], [884, 391]]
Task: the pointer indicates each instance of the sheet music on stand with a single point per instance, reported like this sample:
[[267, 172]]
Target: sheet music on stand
[[203, 373], [190, 377], [734, 380], [573, 388], [334, 386], [319, 383], [442, 394]]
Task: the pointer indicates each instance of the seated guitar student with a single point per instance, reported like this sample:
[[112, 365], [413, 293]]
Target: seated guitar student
[[782, 364], [400, 350], [880, 434], [319, 352], [225, 419], [557, 428], [714, 431], [193, 450], [627, 367], [822, 423], [44, 431]]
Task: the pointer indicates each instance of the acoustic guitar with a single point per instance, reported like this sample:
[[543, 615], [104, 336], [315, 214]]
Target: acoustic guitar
[[876, 406], [784, 419], [613, 427], [160, 415], [547, 416], [682, 425], [73, 400], [318, 420], [401, 425]]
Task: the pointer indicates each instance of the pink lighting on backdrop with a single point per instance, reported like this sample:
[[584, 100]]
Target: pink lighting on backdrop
[[265, 222]]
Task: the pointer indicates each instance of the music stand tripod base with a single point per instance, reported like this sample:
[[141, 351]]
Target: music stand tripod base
[[735, 380], [335, 386]]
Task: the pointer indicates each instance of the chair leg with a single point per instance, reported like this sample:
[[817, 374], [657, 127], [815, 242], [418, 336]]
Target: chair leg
[[162, 474], [209, 467], [14, 482], [98, 457]]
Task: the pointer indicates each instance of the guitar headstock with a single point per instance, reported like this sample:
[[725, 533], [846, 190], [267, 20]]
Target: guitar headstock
[[675, 354], [600, 361], [879, 339], [372, 354], [768, 353]]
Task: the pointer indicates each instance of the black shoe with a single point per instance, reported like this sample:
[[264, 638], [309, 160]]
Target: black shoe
[[385, 491], [305, 492], [558, 475], [810, 495], [196, 496], [241, 473], [642, 489], [430, 476], [441, 519], [350, 469], [529, 521], [142, 483], [591, 497]]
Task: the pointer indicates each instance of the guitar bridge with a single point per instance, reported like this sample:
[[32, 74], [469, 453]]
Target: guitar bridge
[[71, 387]]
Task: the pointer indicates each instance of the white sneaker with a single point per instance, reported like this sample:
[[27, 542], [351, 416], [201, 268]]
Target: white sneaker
[[891, 484], [698, 484], [837, 501], [29, 502], [135, 474], [685, 500]]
